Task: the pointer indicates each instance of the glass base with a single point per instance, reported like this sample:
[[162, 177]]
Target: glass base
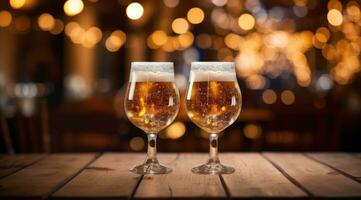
[[213, 168], [150, 168]]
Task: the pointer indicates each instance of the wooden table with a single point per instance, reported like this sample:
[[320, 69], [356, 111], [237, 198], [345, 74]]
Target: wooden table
[[106, 176]]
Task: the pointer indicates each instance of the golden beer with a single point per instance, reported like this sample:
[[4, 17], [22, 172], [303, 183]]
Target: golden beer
[[151, 106], [151, 103], [213, 105]]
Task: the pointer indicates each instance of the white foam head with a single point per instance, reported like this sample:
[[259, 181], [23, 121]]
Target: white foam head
[[212, 71], [151, 71]]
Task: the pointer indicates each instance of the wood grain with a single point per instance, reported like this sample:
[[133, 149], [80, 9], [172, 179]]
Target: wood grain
[[107, 177], [41, 178], [181, 183], [12, 163], [256, 177], [341, 161], [320, 180]]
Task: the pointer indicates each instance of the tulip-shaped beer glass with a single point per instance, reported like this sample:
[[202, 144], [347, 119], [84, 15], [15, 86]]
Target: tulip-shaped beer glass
[[213, 102], [151, 103]]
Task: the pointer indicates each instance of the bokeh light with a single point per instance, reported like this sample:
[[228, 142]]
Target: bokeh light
[[180, 25], [46, 21], [269, 96], [334, 17], [134, 11], [195, 15], [73, 7], [246, 21], [5, 18], [288, 97], [175, 131], [17, 4]]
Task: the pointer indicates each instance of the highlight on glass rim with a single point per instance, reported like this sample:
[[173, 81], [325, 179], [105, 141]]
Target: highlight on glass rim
[[163, 99]]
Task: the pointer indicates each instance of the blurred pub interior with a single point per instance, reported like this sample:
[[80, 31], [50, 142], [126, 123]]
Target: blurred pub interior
[[64, 66]]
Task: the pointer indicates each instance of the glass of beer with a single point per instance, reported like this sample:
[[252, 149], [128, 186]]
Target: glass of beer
[[213, 102], [151, 103]]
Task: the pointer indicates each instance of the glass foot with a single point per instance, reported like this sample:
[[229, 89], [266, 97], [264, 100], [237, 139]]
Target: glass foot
[[213, 168], [150, 168]]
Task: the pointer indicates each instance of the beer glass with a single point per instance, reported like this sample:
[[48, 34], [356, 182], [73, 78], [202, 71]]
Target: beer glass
[[151, 103], [213, 102]]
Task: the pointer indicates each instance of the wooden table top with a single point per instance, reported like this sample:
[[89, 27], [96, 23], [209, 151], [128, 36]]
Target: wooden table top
[[106, 176]]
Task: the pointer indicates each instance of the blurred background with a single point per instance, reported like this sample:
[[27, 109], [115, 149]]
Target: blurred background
[[64, 66]]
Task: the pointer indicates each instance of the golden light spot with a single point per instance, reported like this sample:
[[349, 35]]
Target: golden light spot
[[180, 25], [232, 41], [16, 4], [252, 131], [5, 18], [223, 108], [176, 130], [46, 21], [334, 17], [246, 22], [159, 37], [269, 96], [135, 11], [73, 7], [195, 15], [186, 39], [115, 41], [322, 34], [58, 27], [136, 143], [287, 97]]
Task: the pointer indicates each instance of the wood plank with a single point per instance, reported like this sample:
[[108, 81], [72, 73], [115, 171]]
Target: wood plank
[[318, 179], [181, 183], [256, 177], [40, 179], [11, 163], [344, 162], [107, 177]]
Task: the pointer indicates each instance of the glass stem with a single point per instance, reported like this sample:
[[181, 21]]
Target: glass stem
[[213, 148], [152, 148]]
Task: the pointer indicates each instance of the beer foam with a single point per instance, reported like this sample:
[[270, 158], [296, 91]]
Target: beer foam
[[145, 76], [212, 71], [213, 66], [152, 66]]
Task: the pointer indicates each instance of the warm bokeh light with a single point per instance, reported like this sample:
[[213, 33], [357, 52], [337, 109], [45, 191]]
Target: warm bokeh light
[[334, 17], [175, 131], [73, 7], [58, 27], [16, 4], [288, 97], [252, 131], [180, 25], [269, 96], [136, 144], [5, 18], [195, 15], [246, 21], [219, 2], [159, 37], [46, 22], [186, 40], [134, 11], [115, 41], [322, 34]]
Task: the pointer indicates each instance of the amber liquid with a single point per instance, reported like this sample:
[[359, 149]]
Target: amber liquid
[[213, 105], [151, 106]]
